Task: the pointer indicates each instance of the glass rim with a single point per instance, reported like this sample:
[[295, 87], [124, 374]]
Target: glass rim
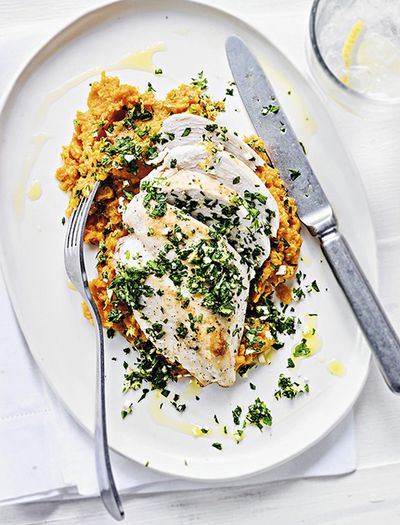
[[347, 89]]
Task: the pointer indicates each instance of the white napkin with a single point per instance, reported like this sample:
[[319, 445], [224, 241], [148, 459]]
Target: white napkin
[[43, 451]]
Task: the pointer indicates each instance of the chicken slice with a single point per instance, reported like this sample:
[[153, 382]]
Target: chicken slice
[[181, 232], [214, 204], [192, 336], [176, 315], [229, 170], [184, 128], [173, 226]]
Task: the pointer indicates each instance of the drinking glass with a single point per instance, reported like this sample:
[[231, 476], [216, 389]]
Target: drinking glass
[[354, 54]]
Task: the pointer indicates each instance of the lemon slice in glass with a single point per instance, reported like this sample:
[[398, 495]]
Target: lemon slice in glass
[[351, 43], [372, 62]]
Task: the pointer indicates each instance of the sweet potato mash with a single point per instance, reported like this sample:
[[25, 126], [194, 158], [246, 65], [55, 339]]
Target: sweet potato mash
[[113, 141]]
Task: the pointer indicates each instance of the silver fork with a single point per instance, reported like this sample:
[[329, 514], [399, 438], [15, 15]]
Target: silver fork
[[76, 271]]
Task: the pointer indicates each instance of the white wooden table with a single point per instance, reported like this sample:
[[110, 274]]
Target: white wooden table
[[372, 493]]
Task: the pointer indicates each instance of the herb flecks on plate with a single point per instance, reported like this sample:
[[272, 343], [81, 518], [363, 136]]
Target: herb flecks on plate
[[289, 388], [117, 139], [259, 415]]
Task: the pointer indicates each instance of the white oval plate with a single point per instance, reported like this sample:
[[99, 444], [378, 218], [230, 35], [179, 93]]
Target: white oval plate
[[62, 342]]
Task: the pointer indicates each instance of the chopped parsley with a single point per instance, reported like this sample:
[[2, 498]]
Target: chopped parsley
[[288, 388], [138, 112], [98, 128], [186, 132], [126, 410], [218, 446], [290, 363], [181, 331], [266, 312], [245, 368], [178, 407], [115, 315], [200, 82], [294, 174], [301, 350], [143, 131], [151, 367], [129, 195], [110, 333], [298, 293], [285, 243], [260, 149], [129, 286], [193, 319], [238, 435], [300, 276], [259, 415], [214, 275], [158, 71], [269, 109], [236, 413], [124, 152], [251, 336], [313, 287], [156, 331], [154, 200]]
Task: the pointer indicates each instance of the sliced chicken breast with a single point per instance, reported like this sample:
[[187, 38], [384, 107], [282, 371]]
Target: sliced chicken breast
[[231, 172], [214, 204], [184, 128], [192, 336], [172, 227], [179, 317]]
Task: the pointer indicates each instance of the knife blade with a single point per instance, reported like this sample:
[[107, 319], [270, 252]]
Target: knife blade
[[314, 210]]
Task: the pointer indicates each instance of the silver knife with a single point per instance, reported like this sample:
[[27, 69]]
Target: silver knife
[[314, 210]]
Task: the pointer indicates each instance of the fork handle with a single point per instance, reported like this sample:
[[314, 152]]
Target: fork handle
[[376, 327], [105, 478]]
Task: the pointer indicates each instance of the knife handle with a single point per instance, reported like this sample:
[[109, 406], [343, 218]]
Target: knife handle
[[373, 321]]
